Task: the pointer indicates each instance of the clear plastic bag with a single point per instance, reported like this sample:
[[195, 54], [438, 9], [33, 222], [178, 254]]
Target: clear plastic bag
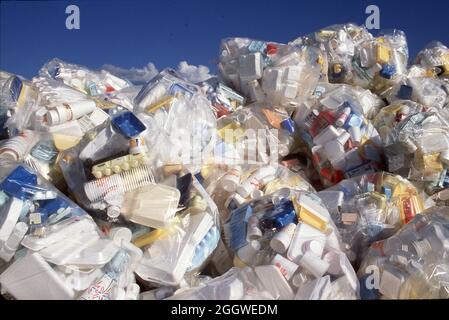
[[269, 71], [412, 264], [370, 208]]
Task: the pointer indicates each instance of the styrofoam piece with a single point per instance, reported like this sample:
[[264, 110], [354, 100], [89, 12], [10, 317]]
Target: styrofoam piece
[[32, 278], [61, 252], [59, 232], [9, 215], [80, 279], [152, 206], [97, 254], [304, 234], [274, 282]]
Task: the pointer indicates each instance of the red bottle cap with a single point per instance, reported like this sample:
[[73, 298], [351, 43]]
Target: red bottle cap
[[272, 48]]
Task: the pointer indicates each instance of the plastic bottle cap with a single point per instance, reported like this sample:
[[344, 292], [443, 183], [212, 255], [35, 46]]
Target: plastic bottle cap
[[281, 241], [315, 247], [256, 194], [52, 117], [113, 212], [230, 182], [120, 234]]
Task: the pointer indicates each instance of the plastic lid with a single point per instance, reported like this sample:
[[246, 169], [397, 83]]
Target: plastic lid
[[315, 247], [120, 234], [53, 117]]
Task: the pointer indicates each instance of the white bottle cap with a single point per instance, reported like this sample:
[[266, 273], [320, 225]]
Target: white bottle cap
[[113, 212], [120, 234], [281, 240], [299, 279], [343, 117], [256, 194], [52, 117], [315, 247]]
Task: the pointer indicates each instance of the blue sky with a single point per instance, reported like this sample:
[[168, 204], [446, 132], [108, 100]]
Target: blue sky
[[133, 33]]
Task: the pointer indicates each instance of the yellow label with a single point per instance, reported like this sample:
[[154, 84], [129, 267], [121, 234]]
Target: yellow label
[[309, 218], [149, 238], [165, 102], [231, 132], [383, 54]]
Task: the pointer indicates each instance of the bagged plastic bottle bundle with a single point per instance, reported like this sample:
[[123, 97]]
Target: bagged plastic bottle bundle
[[224, 100], [82, 79], [269, 71], [339, 139], [182, 248], [180, 119], [51, 242], [413, 263], [230, 186], [370, 208], [416, 147], [290, 241], [435, 59], [339, 44]]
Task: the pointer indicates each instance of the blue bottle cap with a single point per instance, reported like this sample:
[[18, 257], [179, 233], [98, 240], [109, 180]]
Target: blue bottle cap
[[405, 92], [289, 125], [388, 71]]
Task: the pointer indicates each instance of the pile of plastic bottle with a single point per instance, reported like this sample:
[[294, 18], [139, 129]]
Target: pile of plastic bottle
[[312, 170]]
